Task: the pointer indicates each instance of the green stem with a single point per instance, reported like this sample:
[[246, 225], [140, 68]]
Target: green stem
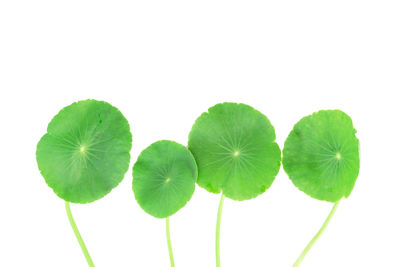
[[218, 230], [171, 255], [78, 235], [315, 238]]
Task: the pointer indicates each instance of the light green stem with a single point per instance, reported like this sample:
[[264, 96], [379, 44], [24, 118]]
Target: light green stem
[[171, 255], [218, 230], [315, 238], [78, 235]]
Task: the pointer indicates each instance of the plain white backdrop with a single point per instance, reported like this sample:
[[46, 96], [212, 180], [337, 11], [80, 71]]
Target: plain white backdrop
[[163, 63]]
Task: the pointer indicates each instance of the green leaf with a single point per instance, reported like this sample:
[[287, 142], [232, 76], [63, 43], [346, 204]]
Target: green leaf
[[85, 152], [164, 178], [235, 150], [321, 155]]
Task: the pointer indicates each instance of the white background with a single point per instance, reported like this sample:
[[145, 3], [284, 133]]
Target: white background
[[163, 63]]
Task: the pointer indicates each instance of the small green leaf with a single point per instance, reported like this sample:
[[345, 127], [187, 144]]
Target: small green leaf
[[164, 178], [85, 152], [321, 155], [235, 150]]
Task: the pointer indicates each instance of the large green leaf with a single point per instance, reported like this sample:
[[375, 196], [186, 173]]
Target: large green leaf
[[164, 178], [235, 150], [321, 155], [85, 152]]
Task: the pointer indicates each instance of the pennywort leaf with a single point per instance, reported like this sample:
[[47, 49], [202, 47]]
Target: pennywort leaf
[[321, 157], [235, 150], [164, 178], [236, 153], [84, 154]]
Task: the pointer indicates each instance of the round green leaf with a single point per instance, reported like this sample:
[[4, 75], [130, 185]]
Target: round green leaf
[[164, 178], [235, 150], [85, 152], [321, 155]]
